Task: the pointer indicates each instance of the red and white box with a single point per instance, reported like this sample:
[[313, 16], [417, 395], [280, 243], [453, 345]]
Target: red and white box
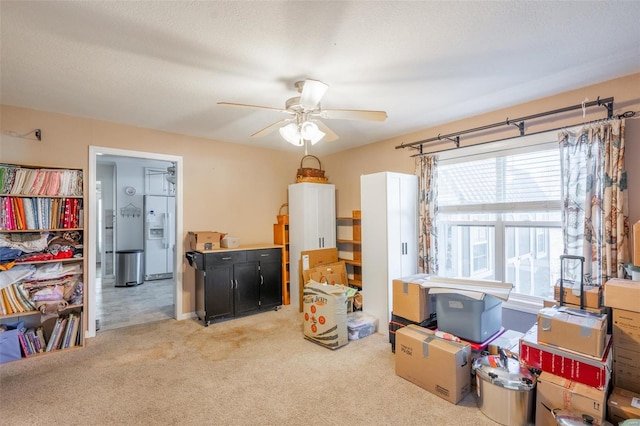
[[571, 365]]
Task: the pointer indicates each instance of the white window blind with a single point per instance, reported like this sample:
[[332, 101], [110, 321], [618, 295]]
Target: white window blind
[[502, 182]]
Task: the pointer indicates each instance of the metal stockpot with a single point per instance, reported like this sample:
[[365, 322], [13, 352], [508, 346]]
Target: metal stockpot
[[505, 390], [569, 418]]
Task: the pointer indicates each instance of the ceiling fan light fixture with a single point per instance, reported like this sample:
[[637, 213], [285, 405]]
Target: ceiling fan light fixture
[[311, 91], [291, 134], [310, 132]]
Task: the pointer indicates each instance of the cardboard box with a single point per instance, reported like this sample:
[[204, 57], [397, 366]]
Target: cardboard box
[[626, 329], [636, 243], [398, 322], [591, 371], [411, 300], [626, 368], [440, 366], [204, 240], [622, 294], [330, 273], [557, 392], [325, 315], [573, 329], [623, 404], [310, 259], [592, 295], [230, 242], [601, 310]]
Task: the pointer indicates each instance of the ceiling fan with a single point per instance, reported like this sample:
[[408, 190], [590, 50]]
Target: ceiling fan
[[304, 112]]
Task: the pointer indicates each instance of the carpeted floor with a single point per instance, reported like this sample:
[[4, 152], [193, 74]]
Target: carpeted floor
[[247, 371]]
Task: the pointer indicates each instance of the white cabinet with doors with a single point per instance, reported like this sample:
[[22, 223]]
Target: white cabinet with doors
[[389, 205], [312, 225]]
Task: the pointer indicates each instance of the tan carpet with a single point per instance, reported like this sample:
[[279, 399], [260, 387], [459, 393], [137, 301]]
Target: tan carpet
[[252, 370]]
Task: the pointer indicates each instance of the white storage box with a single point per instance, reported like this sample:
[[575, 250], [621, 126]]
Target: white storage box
[[230, 242], [360, 324], [325, 314]]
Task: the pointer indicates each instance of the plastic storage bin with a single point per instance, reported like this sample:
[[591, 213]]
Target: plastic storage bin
[[360, 324], [129, 271], [468, 318]]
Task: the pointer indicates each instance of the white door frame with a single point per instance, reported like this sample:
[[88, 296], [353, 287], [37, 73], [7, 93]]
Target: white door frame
[[90, 284]]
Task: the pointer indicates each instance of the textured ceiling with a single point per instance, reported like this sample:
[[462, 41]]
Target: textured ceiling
[[165, 64]]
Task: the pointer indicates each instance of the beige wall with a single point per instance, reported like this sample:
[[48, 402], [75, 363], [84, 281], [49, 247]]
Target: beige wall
[[344, 169], [239, 189]]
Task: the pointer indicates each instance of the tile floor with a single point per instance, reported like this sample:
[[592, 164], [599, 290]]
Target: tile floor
[[124, 306]]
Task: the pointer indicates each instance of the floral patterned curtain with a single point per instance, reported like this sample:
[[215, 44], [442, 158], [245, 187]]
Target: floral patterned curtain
[[426, 170], [595, 218]]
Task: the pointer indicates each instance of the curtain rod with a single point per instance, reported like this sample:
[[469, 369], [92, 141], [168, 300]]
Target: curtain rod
[[518, 122], [627, 114]]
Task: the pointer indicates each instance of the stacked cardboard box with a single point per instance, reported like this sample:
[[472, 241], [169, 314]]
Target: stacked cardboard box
[[623, 297], [441, 366], [572, 349], [412, 304]]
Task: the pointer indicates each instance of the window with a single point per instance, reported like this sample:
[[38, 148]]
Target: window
[[499, 215]]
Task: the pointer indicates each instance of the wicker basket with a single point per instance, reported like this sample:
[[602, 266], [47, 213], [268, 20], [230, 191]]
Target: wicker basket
[[308, 171], [283, 219], [309, 174]]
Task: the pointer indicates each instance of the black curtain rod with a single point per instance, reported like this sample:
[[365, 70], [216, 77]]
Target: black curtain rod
[[518, 122], [627, 114]]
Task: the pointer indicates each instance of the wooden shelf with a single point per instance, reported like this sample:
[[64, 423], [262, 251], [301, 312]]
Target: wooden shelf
[[13, 231], [40, 196], [37, 312], [351, 245], [71, 212], [281, 237], [356, 283], [38, 262]]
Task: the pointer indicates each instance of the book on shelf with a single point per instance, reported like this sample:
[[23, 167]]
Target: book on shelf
[[35, 342], [40, 337], [71, 319], [54, 339], [74, 331], [23, 344]]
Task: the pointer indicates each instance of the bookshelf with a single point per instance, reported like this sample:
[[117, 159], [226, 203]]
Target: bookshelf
[[281, 237], [42, 291], [349, 242]]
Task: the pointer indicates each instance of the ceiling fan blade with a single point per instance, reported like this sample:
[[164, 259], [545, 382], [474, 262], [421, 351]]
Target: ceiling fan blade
[[231, 104], [353, 114], [271, 127], [312, 92], [329, 135]]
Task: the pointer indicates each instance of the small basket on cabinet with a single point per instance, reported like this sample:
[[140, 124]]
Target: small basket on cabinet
[[310, 174]]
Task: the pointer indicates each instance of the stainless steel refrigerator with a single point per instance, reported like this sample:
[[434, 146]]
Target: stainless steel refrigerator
[[159, 237]]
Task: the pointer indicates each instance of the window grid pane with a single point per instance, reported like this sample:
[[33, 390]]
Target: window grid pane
[[531, 237]]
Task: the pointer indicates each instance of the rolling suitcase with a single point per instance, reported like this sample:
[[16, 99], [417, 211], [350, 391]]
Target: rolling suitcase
[[562, 280]]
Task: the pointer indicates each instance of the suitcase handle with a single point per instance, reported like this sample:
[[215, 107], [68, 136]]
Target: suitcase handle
[[572, 257]]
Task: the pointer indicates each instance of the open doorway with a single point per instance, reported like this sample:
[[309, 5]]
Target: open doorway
[[121, 184]]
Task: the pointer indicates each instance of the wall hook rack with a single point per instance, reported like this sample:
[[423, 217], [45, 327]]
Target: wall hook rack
[[130, 211]]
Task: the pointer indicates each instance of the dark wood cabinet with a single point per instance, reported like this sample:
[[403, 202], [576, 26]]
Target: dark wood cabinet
[[236, 282]]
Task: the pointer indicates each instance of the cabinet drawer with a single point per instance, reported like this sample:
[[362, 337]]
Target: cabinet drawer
[[265, 255], [225, 257]]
